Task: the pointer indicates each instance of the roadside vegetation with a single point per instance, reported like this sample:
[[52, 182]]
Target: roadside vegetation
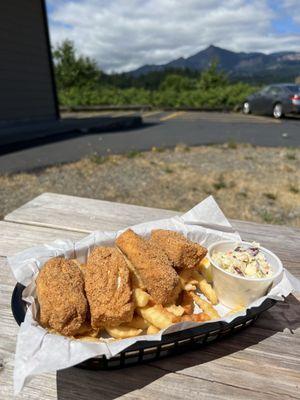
[[80, 82], [250, 183]]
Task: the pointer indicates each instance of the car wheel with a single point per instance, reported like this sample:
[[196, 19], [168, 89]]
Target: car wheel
[[246, 108], [278, 111]]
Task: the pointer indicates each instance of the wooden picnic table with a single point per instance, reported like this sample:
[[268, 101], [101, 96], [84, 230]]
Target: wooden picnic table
[[260, 362]]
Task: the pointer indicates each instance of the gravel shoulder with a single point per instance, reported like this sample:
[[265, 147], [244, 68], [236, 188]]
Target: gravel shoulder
[[250, 183]]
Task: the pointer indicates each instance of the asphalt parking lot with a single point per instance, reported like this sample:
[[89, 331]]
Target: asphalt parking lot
[[160, 129]]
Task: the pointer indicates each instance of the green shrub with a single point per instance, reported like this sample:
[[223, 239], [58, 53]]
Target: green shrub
[[81, 82]]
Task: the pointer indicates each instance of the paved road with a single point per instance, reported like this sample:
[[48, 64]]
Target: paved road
[[161, 129]]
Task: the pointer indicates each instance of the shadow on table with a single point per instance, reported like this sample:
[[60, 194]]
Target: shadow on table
[[79, 384]]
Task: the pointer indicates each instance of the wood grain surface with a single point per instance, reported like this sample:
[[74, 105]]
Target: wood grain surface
[[261, 362]]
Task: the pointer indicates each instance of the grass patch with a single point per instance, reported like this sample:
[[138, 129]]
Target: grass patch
[[133, 154], [232, 144], [291, 156], [186, 149], [220, 183], [294, 189], [242, 194], [168, 170], [158, 149], [267, 217], [270, 196], [182, 148], [96, 159]]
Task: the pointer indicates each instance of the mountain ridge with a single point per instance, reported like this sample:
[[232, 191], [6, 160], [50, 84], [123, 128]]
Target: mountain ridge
[[233, 63]]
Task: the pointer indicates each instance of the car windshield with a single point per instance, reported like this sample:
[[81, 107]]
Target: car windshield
[[265, 90], [293, 88]]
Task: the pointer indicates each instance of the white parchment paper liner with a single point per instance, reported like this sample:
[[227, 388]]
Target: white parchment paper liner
[[38, 351]]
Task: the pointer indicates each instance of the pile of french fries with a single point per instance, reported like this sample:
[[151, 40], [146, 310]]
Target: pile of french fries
[[149, 318]]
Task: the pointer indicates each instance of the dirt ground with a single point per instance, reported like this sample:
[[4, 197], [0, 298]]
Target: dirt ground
[[250, 183]]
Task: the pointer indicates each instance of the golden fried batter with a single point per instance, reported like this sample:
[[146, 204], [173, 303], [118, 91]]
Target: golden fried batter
[[108, 289], [182, 252], [152, 264], [202, 317], [60, 293]]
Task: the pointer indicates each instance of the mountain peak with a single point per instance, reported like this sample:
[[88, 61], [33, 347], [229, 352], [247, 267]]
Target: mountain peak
[[212, 47], [233, 63]]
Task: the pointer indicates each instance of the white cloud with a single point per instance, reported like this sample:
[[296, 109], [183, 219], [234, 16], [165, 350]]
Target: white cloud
[[293, 8], [125, 34]]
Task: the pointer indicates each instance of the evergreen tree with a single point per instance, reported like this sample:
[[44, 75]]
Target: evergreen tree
[[72, 70]]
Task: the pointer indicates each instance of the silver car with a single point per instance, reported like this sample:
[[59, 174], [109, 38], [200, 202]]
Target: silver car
[[276, 100]]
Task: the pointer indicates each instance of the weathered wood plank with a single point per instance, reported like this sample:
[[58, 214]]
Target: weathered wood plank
[[82, 214], [250, 357], [283, 240], [248, 361], [85, 215], [16, 237], [243, 366], [283, 317], [144, 383], [70, 383], [239, 360], [42, 387]]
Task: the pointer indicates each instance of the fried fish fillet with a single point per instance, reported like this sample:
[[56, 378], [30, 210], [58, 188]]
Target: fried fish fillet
[[182, 252], [60, 293], [152, 264], [108, 288]]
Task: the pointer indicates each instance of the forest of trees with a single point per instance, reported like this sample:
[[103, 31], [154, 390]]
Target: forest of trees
[[80, 82]]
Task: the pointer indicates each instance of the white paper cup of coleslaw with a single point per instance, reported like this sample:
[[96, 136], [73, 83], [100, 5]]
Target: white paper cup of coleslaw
[[238, 291]]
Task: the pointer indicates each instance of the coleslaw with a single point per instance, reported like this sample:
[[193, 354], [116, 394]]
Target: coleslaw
[[245, 261]]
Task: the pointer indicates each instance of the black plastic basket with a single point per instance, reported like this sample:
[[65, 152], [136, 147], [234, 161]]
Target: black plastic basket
[[170, 344]]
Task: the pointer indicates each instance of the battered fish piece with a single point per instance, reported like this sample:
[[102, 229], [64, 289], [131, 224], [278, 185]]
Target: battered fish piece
[[60, 293], [152, 264], [182, 252], [108, 288]]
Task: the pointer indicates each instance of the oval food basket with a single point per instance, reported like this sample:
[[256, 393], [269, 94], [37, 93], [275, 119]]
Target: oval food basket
[[171, 344]]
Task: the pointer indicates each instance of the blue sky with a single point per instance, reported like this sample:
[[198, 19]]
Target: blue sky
[[124, 34], [284, 22]]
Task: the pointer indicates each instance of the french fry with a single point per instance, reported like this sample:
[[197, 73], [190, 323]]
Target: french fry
[[205, 306], [158, 316], [152, 330], [123, 332], [205, 287], [140, 297], [138, 322], [187, 281], [235, 310], [196, 317], [187, 303], [189, 287], [205, 269], [176, 310]]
